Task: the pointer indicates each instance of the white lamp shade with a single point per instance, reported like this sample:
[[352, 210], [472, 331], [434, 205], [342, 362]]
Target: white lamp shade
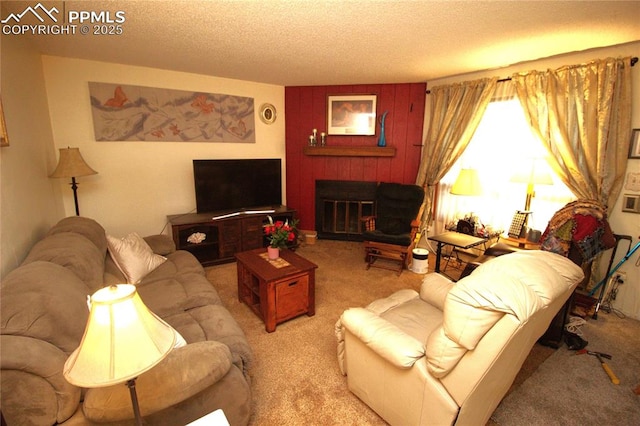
[[467, 183], [537, 173], [535, 177], [122, 340]]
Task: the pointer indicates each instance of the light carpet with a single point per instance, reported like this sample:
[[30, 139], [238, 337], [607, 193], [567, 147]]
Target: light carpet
[[570, 389], [296, 380]]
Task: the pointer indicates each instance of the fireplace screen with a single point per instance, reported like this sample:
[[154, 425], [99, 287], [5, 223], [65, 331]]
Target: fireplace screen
[[343, 217], [340, 205]]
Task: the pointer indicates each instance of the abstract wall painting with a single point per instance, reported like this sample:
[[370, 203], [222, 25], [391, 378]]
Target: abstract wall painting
[[136, 113]]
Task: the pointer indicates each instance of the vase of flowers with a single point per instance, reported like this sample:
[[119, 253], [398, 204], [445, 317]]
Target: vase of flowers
[[279, 234]]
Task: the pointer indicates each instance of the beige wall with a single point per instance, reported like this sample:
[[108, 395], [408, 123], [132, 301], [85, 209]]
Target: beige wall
[[628, 300], [30, 202], [139, 183]]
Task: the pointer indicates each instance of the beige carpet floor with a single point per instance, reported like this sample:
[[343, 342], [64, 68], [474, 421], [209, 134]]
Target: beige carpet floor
[[575, 390], [295, 379]]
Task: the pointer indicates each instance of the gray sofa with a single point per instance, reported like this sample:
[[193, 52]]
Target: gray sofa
[[43, 317]]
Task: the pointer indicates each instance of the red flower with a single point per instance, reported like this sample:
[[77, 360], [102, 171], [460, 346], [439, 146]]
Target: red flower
[[280, 233]]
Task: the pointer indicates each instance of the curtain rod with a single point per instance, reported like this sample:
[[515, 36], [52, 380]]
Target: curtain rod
[[634, 61]]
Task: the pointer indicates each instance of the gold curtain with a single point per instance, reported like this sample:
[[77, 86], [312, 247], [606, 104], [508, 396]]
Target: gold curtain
[[456, 111], [582, 114]]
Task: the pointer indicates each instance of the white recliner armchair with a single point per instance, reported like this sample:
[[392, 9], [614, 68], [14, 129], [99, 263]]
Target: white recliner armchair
[[449, 354]]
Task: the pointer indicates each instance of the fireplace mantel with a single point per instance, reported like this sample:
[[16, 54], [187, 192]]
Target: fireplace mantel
[[350, 151]]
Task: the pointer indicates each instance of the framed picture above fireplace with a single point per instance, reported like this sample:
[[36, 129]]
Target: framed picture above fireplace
[[351, 115]]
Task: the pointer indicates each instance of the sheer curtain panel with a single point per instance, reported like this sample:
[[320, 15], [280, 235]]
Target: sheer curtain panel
[[456, 110], [582, 114], [502, 147]]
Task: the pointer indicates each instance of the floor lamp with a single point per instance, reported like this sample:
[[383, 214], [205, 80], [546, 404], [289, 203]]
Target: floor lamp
[[71, 164], [531, 177], [122, 340]]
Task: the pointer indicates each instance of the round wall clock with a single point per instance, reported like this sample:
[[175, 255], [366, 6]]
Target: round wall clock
[[268, 113]]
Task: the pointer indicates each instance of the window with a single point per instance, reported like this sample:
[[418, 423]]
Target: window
[[502, 147]]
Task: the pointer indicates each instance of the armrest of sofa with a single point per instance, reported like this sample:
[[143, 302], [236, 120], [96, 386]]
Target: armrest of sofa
[[380, 306], [377, 307], [33, 387], [185, 372], [384, 338], [161, 244], [435, 288]]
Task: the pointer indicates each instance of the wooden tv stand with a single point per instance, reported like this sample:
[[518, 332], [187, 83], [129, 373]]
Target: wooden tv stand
[[227, 232]]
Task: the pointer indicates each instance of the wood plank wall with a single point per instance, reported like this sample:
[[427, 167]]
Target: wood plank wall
[[306, 109]]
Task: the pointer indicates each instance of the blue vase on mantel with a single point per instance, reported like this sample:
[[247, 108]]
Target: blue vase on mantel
[[382, 141]]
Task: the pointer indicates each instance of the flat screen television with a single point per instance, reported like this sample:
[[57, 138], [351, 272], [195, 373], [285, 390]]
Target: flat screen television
[[223, 185]]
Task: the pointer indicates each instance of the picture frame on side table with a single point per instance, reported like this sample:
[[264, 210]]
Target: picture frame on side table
[[634, 146], [4, 137], [351, 115]]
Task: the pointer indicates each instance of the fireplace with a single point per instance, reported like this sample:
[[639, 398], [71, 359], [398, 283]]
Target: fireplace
[[339, 207]]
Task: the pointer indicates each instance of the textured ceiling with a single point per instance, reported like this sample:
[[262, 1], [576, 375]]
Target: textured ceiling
[[289, 42]]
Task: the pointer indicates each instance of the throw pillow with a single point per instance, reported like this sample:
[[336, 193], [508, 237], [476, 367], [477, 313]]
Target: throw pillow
[[133, 256], [180, 342]]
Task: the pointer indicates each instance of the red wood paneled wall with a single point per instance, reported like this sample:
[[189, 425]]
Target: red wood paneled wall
[[306, 109]]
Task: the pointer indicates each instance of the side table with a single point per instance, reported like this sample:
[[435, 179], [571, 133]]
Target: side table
[[456, 240], [520, 242], [276, 290]]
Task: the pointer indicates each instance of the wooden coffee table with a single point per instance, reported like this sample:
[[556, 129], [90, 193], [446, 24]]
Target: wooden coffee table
[[276, 290]]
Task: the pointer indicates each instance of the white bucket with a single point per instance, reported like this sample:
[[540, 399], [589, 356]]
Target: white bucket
[[420, 261]]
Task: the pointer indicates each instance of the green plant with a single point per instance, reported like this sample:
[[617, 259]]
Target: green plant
[[280, 233]]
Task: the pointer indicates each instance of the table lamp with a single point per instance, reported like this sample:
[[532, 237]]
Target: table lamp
[[122, 340], [71, 164], [467, 183]]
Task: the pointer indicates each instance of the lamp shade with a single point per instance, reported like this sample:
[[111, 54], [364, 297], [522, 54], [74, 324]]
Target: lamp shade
[[71, 164], [534, 176], [537, 173], [122, 340], [467, 183]]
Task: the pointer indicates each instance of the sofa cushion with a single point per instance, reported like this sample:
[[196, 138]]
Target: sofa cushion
[[214, 322], [383, 337], [73, 251], [179, 284], [179, 262], [133, 256], [89, 228], [161, 244], [170, 289], [45, 301]]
